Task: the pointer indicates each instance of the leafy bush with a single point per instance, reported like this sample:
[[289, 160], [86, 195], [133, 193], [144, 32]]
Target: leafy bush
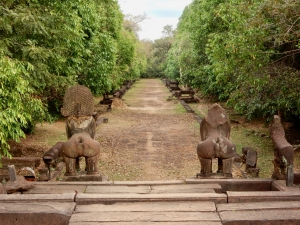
[[18, 106]]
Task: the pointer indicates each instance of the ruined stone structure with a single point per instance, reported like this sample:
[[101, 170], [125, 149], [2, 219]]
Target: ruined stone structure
[[283, 153], [215, 134], [249, 158]]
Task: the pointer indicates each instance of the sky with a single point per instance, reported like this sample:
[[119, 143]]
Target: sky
[[159, 14]]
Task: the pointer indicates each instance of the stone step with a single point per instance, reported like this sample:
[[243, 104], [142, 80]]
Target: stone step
[[154, 182], [118, 189], [55, 189], [262, 196], [236, 184], [109, 187], [284, 212], [28, 198], [187, 188], [148, 223], [113, 198], [46, 213], [287, 205], [149, 207], [261, 217], [155, 189], [75, 183], [138, 217], [280, 185]]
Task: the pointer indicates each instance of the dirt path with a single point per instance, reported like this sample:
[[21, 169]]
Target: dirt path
[[148, 137]]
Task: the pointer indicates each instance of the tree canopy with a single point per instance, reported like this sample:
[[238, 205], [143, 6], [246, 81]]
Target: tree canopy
[[243, 52], [157, 52], [47, 46]]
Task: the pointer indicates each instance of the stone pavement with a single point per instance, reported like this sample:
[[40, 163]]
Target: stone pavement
[[189, 202]]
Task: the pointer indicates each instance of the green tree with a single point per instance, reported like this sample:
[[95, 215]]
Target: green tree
[[102, 23], [270, 43], [18, 104], [245, 52], [47, 46], [179, 58], [35, 46], [157, 61]]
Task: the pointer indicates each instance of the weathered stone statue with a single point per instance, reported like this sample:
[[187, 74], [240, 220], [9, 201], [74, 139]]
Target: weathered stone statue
[[78, 106], [215, 134], [283, 153], [50, 158], [81, 144]]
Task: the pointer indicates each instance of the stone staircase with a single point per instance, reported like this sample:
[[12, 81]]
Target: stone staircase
[[188, 202]]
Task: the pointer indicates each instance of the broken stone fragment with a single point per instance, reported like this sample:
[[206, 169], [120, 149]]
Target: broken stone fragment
[[20, 184], [44, 174]]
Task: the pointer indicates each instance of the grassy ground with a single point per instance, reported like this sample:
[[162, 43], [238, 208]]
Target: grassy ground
[[244, 136]]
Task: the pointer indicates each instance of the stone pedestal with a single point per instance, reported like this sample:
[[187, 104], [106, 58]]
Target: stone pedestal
[[82, 176], [227, 166]]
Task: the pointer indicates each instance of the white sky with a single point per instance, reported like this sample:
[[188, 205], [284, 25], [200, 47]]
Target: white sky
[[159, 12]]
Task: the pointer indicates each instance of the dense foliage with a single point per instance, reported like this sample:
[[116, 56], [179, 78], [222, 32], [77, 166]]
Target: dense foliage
[[47, 46], [245, 52], [242, 51]]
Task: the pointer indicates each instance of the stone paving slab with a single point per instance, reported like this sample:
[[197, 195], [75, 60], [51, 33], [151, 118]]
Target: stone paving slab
[[165, 191], [186, 188], [118, 189], [287, 205], [76, 183], [155, 189], [263, 196], [148, 223], [261, 217], [57, 189], [159, 182], [65, 197], [150, 207], [111, 198], [46, 213], [138, 217]]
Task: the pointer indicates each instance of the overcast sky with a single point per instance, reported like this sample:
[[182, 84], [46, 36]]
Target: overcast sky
[[159, 12]]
